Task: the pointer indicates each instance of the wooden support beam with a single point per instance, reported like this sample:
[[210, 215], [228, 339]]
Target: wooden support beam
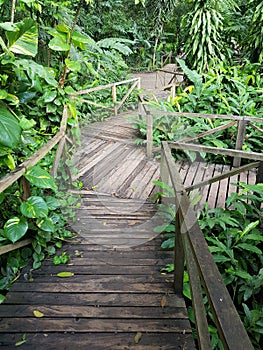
[[215, 150], [239, 141], [149, 123], [10, 247], [114, 99], [209, 132]]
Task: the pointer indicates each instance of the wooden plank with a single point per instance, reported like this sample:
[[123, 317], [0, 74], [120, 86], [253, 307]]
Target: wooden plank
[[83, 325], [223, 188], [83, 311], [208, 173], [99, 279], [151, 299], [224, 175], [93, 286], [191, 173], [184, 166], [95, 159], [107, 270], [214, 187], [118, 176], [98, 341]]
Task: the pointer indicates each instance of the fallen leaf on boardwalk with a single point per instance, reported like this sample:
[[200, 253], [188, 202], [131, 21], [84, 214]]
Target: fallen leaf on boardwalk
[[78, 253], [163, 301], [38, 314], [22, 341], [104, 223], [137, 337], [132, 223], [65, 274]]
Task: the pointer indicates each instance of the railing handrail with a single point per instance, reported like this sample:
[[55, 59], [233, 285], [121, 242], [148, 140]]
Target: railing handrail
[[242, 122], [113, 86], [21, 169], [199, 261], [103, 87]]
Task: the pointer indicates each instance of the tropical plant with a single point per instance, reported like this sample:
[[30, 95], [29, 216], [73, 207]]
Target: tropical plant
[[204, 46]]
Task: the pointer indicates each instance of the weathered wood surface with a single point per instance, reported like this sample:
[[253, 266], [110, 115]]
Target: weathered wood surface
[[214, 194], [110, 161], [117, 289], [112, 296]]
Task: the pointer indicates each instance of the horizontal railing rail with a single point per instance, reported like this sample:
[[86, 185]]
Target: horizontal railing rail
[[59, 139], [113, 86], [191, 247], [241, 122]]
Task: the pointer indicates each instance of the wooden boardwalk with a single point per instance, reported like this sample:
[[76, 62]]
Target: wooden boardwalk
[[117, 297]]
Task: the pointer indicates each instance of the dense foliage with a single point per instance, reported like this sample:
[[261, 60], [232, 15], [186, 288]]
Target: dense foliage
[[50, 49], [42, 60]]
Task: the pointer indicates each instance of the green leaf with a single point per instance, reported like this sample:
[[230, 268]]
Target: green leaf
[[169, 243], [10, 130], [40, 178], [46, 224], [9, 26], [74, 66], [24, 40], [3, 94], [52, 202], [65, 274], [2, 298], [249, 227], [249, 247], [26, 124], [15, 229], [49, 95], [34, 207], [58, 44]]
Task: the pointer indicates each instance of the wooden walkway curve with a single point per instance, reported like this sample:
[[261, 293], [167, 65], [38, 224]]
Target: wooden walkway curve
[[117, 297]]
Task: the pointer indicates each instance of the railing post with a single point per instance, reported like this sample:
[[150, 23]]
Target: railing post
[[139, 83], [239, 141], [149, 133], [178, 256], [114, 99], [25, 186]]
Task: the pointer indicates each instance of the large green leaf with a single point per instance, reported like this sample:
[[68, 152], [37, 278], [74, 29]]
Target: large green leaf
[[58, 44], [35, 71], [40, 178], [24, 40], [34, 207], [15, 229], [10, 130], [46, 224]]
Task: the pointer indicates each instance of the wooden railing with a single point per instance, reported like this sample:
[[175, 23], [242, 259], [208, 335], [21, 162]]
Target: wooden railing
[[240, 121], [113, 86], [14, 175], [61, 139], [191, 247]]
